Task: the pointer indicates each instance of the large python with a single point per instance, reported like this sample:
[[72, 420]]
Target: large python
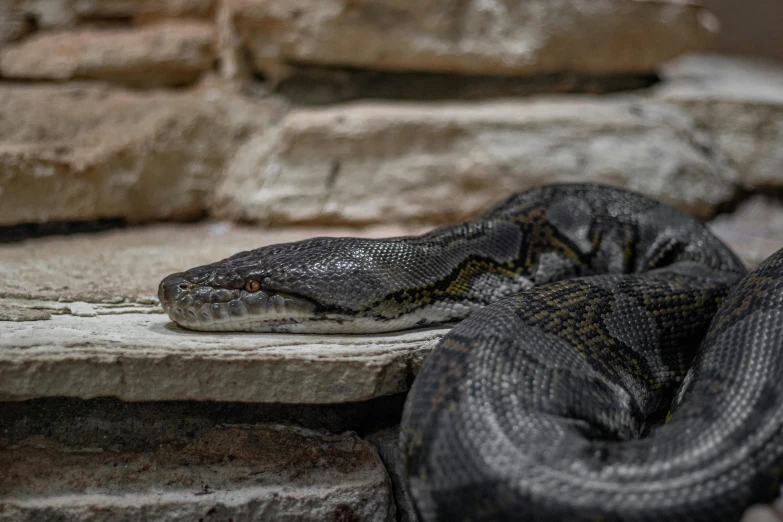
[[620, 365]]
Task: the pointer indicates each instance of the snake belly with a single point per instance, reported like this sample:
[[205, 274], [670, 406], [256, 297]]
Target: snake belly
[[621, 365]]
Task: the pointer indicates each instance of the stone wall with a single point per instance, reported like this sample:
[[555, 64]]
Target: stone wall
[[237, 109], [325, 114]]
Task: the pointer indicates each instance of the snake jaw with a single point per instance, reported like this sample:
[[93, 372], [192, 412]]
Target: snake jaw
[[199, 306]]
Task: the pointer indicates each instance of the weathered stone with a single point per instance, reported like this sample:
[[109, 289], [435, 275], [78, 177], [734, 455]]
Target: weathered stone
[[740, 101], [143, 357], [80, 152], [474, 37], [165, 54], [261, 472], [108, 337], [387, 442], [754, 230], [372, 162]]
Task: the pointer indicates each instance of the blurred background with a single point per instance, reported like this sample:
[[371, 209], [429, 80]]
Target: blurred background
[[360, 112]]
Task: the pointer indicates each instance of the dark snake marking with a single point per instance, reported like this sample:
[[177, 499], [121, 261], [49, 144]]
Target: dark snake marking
[[637, 376]]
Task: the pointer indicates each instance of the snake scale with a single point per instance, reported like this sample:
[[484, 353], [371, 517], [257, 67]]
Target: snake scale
[[620, 364]]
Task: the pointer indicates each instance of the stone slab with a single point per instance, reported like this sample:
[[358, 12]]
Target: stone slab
[[143, 357], [229, 472], [387, 162]]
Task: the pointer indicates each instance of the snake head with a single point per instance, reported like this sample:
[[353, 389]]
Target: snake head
[[318, 285]]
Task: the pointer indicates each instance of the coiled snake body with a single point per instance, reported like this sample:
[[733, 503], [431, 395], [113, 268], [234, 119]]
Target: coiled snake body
[[621, 364]]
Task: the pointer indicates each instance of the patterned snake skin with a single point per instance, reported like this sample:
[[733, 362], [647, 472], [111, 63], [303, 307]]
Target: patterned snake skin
[[621, 366]]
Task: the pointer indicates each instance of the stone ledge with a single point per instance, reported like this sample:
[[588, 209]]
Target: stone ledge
[[143, 357], [470, 37], [376, 162]]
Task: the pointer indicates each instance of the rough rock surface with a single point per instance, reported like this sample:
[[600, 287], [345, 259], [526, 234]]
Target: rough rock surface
[[84, 152], [144, 357], [108, 337], [165, 54], [396, 162], [257, 472], [473, 37], [740, 101]]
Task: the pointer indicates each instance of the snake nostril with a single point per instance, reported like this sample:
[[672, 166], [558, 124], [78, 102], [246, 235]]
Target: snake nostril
[[183, 286]]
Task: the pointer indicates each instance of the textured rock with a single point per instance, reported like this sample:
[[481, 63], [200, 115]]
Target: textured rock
[[81, 152], [473, 37], [143, 357], [741, 102], [262, 472], [108, 337], [166, 54], [754, 230], [118, 351], [371, 162]]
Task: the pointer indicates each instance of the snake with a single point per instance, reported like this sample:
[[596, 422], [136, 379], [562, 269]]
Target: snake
[[612, 359]]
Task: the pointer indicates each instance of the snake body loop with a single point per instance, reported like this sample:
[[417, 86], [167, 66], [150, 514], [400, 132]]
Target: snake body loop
[[620, 363]]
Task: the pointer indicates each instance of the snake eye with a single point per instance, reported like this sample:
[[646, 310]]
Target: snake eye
[[252, 286]]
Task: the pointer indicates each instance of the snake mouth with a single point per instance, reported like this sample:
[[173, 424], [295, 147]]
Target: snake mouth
[[204, 308]]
